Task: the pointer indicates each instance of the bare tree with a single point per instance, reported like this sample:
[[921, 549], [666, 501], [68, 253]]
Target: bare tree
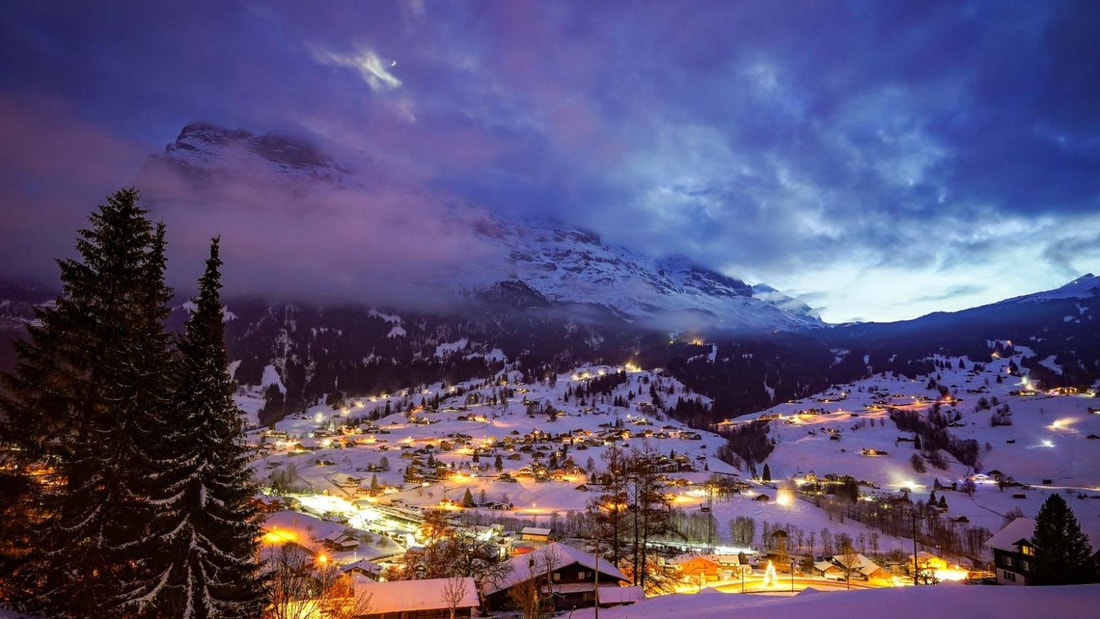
[[528, 596], [454, 591], [848, 558], [304, 585], [457, 553], [525, 597]]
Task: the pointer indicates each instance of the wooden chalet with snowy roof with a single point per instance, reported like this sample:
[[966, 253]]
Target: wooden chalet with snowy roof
[[340, 541], [701, 569], [1013, 552], [563, 578], [535, 534], [363, 567], [431, 598], [860, 567]]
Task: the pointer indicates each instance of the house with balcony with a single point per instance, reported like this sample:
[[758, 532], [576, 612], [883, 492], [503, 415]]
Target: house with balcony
[[561, 577]]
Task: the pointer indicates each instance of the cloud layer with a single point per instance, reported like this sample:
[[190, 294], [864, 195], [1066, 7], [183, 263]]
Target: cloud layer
[[883, 159]]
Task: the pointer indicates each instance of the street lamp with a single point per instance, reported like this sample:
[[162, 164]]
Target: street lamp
[[792, 574]]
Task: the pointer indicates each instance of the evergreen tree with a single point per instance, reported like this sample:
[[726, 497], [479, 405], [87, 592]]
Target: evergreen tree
[[211, 534], [85, 402], [468, 499], [1063, 555], [766, 476]]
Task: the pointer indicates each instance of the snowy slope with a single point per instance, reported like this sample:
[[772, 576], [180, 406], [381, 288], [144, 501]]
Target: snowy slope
[[568, 265], [1084, 287], [1048, 448]]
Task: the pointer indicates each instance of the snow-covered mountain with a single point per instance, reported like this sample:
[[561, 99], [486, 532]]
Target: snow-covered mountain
[[564, 265], [569, 265], [1085, 287]]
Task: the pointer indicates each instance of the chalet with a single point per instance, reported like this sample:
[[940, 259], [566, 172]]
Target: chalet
[[705, 568], [534, 534], [862, 568], [830, 570], [928, 564], [362, 567], [433, 598], [564, 578], [696, 568], [1013, 552], [340, 541]]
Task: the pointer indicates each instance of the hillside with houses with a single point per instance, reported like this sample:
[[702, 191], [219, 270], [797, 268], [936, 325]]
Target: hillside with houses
[[835, 504]]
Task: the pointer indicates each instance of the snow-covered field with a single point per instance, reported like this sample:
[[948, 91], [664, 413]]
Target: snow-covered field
[[955, 600]]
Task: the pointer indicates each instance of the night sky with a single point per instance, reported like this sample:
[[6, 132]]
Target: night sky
[[878, 159]]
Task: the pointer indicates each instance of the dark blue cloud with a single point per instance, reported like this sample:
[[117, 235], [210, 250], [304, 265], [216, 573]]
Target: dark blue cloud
[[810, 144]]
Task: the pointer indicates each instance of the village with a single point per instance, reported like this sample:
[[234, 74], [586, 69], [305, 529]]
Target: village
[[517, 467]]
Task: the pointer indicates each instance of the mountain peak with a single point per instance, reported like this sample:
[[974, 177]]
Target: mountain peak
[[204, 153]]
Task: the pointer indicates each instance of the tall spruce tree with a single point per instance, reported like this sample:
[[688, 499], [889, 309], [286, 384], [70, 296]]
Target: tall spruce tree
[[1063, 555], [85, 401], [211, 534]]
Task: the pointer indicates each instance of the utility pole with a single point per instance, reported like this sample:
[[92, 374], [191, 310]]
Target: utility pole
[[596, 587], [710, 508], [915, 582]]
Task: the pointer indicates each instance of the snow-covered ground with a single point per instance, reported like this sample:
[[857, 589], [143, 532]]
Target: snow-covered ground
[[1046, 448], [955, 600]]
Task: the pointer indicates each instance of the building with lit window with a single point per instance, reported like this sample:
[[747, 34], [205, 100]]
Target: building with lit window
[[1013, 552]]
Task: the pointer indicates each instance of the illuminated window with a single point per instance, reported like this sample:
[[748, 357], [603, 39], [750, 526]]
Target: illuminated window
[[1027, 550]]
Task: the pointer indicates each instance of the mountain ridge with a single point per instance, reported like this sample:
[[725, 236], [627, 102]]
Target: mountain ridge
[[564, 264]]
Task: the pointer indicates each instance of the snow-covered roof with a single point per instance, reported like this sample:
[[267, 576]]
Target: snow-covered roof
[[862, 563], [925, 556], [688, 556], [1006, 538], [725, 559], [397, 596], [535, 531], [362, 564], [559, 556]]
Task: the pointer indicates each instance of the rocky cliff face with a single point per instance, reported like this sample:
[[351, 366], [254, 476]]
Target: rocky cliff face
[[204, 155]]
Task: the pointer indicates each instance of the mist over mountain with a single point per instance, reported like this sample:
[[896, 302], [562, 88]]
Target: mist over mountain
[[343, 279], [371, 235]]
